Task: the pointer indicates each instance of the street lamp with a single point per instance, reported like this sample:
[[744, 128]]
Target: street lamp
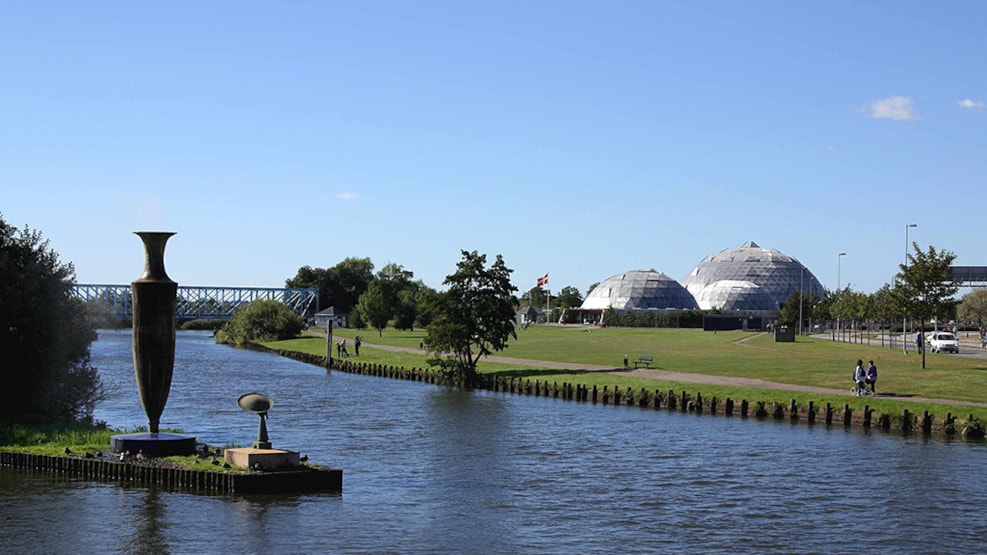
[[904, 317], [801, 279]]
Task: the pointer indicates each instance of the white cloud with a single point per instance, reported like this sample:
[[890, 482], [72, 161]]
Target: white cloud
[[893, 107], [971, 104], [347, 195]]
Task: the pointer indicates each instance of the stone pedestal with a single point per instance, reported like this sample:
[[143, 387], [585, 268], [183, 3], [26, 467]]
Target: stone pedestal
[[153, 445], [262, 459]]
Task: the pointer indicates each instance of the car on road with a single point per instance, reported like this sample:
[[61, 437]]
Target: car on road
[[942, 342]]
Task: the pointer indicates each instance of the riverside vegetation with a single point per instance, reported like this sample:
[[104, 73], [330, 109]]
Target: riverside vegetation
[[810, 362]]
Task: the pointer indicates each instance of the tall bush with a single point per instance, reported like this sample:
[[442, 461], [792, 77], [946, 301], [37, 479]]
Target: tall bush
[[45, 334], [261, 321]]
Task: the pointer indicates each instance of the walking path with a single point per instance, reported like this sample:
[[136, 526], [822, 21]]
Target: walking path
[[655, 374]]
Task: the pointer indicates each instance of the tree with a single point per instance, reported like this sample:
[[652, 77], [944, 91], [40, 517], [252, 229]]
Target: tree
[[406, 311], [926, 287], [536, 297], [263, 320], [973, 307], [340, 286], [45, 335], [308, 277], [568, 297], [795, 304], [473, 318], [425, 301], [377, 305]]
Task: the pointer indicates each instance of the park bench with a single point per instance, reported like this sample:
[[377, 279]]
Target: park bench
[[644, 361]]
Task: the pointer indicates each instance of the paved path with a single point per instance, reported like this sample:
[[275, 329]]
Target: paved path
[[677, 376]]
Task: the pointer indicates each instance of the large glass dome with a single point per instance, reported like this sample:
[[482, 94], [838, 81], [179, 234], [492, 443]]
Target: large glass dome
[[749, 277], [639, 289]]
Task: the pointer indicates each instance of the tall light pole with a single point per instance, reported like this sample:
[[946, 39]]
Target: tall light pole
[[839, 258], [801, 279], [904, 317]]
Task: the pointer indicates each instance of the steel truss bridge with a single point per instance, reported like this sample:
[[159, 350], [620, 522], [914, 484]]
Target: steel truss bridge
[[215, 303], [969, 276]]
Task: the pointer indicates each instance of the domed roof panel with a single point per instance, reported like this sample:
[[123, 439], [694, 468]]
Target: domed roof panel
[[776, 274], [639, 289]]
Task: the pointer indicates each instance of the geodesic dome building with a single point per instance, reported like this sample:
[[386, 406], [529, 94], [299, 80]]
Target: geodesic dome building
[[750, 278], [639, 290]]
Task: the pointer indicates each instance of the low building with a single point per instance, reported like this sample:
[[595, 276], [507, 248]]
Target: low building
[[323, 317]]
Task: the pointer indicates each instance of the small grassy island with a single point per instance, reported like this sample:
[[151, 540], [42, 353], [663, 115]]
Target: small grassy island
[[83, 449]]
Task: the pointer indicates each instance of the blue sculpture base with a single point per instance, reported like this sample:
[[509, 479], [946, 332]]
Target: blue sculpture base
[[153, 445]]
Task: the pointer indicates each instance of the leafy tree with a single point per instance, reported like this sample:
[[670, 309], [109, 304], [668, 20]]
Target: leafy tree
[[349, 279], [536, 297], [406, 310], [377, 304], [396, 275], [263, 320], [313, 278], [789, 314], [926, 287], [425, 301], [340, 286], [568, 297], [973, 307], [45, 335], [474, 317]]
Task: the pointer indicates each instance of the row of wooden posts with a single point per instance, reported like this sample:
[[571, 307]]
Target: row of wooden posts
[[101, 469], [670, 400]]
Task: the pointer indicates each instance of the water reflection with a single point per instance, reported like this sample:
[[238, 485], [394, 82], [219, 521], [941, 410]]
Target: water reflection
[[146, 533]]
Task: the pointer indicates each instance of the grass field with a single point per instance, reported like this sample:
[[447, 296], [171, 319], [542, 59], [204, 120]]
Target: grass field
[[806, 362]]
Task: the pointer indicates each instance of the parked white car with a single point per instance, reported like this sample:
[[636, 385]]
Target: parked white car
[[942, 342]]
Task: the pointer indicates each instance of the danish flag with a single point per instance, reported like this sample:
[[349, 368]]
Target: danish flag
[[543, 280]]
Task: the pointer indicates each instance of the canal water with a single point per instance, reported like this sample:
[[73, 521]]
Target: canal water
[[429, 469]]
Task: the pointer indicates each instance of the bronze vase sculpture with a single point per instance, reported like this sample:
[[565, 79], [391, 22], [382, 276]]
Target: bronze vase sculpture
[[154, 297]]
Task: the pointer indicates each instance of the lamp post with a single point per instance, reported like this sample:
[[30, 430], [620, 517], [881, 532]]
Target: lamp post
[[839, 259], [904, 317], [801, 279]]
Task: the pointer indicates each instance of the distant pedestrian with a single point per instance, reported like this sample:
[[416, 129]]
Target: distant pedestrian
[[918, 341], [356, 346], [983, 338], [342, 346], [339, 349], [859, 376], [872, 377]]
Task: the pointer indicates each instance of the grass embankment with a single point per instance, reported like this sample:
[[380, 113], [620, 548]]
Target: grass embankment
[[81, 440], [806, 362]]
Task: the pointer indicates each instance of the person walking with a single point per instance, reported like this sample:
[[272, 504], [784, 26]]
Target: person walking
[[872, 377], [859, 376], [356, 346]]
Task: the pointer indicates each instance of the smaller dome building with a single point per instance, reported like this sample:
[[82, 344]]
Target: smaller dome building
[[639, 290]]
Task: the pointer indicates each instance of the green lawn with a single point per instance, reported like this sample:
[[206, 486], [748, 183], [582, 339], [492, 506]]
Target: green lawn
[[808, 361]]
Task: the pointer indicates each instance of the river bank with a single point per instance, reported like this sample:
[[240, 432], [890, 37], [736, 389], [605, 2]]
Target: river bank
[[692, 401]]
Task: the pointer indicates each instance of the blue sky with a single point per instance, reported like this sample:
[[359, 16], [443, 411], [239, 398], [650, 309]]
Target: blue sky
[[580, 139]]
